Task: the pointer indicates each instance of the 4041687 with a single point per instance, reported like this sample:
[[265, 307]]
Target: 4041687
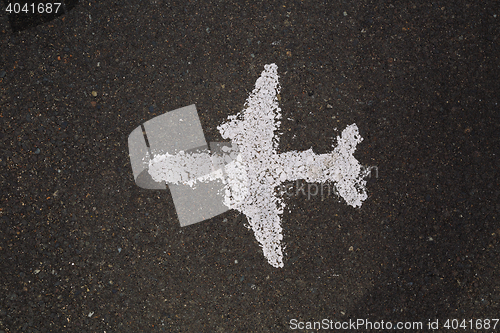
[[34, 8]]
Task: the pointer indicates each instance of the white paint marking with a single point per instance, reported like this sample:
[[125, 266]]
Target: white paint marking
[[250, 179]]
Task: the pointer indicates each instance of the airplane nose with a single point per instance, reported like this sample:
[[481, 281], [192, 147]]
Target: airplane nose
[[139, 156], [171, 133]]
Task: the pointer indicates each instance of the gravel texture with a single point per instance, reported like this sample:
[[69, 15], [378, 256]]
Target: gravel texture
[[83, 249]]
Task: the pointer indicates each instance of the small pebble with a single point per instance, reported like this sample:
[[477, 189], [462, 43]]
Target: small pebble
[[94, 93], [37, 151], [151, 108], [2, 74]]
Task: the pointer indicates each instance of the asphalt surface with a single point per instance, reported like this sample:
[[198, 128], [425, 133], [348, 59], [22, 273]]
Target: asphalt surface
[[83, 249]]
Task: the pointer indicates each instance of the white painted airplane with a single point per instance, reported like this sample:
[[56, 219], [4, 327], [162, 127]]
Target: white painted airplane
[[242, 175]]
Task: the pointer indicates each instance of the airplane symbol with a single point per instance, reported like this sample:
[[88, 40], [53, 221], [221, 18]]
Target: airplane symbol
[[244, 174]]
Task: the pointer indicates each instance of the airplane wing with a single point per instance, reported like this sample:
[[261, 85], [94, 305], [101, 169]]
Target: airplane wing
[[253, 131], [263, 214], [254, 127]]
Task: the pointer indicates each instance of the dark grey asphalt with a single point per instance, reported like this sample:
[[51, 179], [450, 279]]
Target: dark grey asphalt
[[83, 249]]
